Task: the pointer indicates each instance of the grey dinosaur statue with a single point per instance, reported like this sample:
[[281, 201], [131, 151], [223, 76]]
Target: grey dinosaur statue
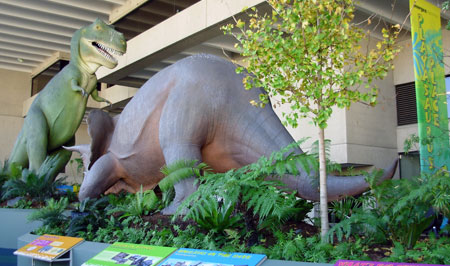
[[198, 109], [57, 111]]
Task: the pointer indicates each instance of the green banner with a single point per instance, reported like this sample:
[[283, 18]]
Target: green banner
[[430, 86]]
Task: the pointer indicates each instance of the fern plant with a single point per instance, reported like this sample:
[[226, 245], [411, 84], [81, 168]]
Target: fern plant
[[257, 186], [138, 204], [402, 210], [52, 214], [176, 172], [180, 170]]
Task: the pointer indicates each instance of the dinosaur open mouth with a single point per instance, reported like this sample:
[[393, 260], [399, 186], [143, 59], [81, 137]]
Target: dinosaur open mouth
[[107, 51]]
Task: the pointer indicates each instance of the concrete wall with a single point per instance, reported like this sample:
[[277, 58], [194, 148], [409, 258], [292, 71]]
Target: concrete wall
[[371, 131], [14, 90]]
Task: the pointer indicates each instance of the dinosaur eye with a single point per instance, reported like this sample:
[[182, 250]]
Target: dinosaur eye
[[98, 27]]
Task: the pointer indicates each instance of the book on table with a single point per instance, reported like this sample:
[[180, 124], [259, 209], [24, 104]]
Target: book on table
[[130, 254], [200, 257]]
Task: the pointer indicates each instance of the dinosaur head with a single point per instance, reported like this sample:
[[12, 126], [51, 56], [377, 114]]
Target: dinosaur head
[[97, 45]]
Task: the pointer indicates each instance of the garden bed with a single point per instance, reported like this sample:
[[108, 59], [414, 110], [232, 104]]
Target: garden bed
[[247, 212]]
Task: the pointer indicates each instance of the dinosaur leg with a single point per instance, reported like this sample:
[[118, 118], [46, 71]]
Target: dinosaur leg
[[19, 154], [185, 187], [55, 162], [104, 173], [36, 133]]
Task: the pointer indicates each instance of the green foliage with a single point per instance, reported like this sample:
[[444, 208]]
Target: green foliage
[[180, 170], [309, 53], [4, 175], [256, 186], [100, 227], [88, 216], [23, 204], [314, 151], [28, 184], [411, 143], [78, 163], [445, 7], [290, 246], [176, 172], [401, 212], [138, 204], [344, 208], [214, 214], [52, 214], [431, 251]]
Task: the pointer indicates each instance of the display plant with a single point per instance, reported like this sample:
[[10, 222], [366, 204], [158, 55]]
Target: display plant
[[310, 54], [235, 214]]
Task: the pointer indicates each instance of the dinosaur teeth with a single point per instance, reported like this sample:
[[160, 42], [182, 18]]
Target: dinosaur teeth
[[107, 51]]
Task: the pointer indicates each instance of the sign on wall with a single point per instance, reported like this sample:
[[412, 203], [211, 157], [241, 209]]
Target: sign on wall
[[430, 86]]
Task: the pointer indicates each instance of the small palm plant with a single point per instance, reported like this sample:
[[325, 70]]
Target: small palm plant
[[52, 214], [31, 185], [138, 204]]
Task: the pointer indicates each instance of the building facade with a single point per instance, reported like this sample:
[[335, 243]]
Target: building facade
[[161, 32]]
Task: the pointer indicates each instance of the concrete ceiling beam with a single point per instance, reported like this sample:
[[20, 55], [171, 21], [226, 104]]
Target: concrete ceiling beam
[[34, 42], [193, 26], [160, 8], [25, 33], [55, 57], [98, 6], [20, 22], [16, 67], [48, 17], [26, 49], [13, 60], [396, 12], [124, 9], [21, 55], [46, 7]]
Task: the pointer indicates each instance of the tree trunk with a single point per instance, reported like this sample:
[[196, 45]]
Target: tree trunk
[[323, 185]]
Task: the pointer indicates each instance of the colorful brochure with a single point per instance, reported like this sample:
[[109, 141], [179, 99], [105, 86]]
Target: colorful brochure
[[48, 247], [200, 257], [378, 263], [130, 254]]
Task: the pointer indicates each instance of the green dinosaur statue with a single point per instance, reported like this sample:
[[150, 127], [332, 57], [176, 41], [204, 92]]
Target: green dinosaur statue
[[57, 111]]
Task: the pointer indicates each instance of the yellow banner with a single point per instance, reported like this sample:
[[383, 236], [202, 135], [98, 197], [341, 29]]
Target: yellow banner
[[430, 85]]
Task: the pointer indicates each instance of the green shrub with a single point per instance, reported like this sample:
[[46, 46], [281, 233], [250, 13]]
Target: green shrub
[[52, 215], [257, 187], [90, 214], [215, 214], [138, 204], [28, 184], [400, 210], [176, 172]]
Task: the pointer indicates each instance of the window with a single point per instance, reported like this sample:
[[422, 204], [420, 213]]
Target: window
[[447, 87], [406, 102]]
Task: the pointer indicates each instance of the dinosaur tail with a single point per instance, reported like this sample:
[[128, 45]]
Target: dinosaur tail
[[305, 183], [337, 186]]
